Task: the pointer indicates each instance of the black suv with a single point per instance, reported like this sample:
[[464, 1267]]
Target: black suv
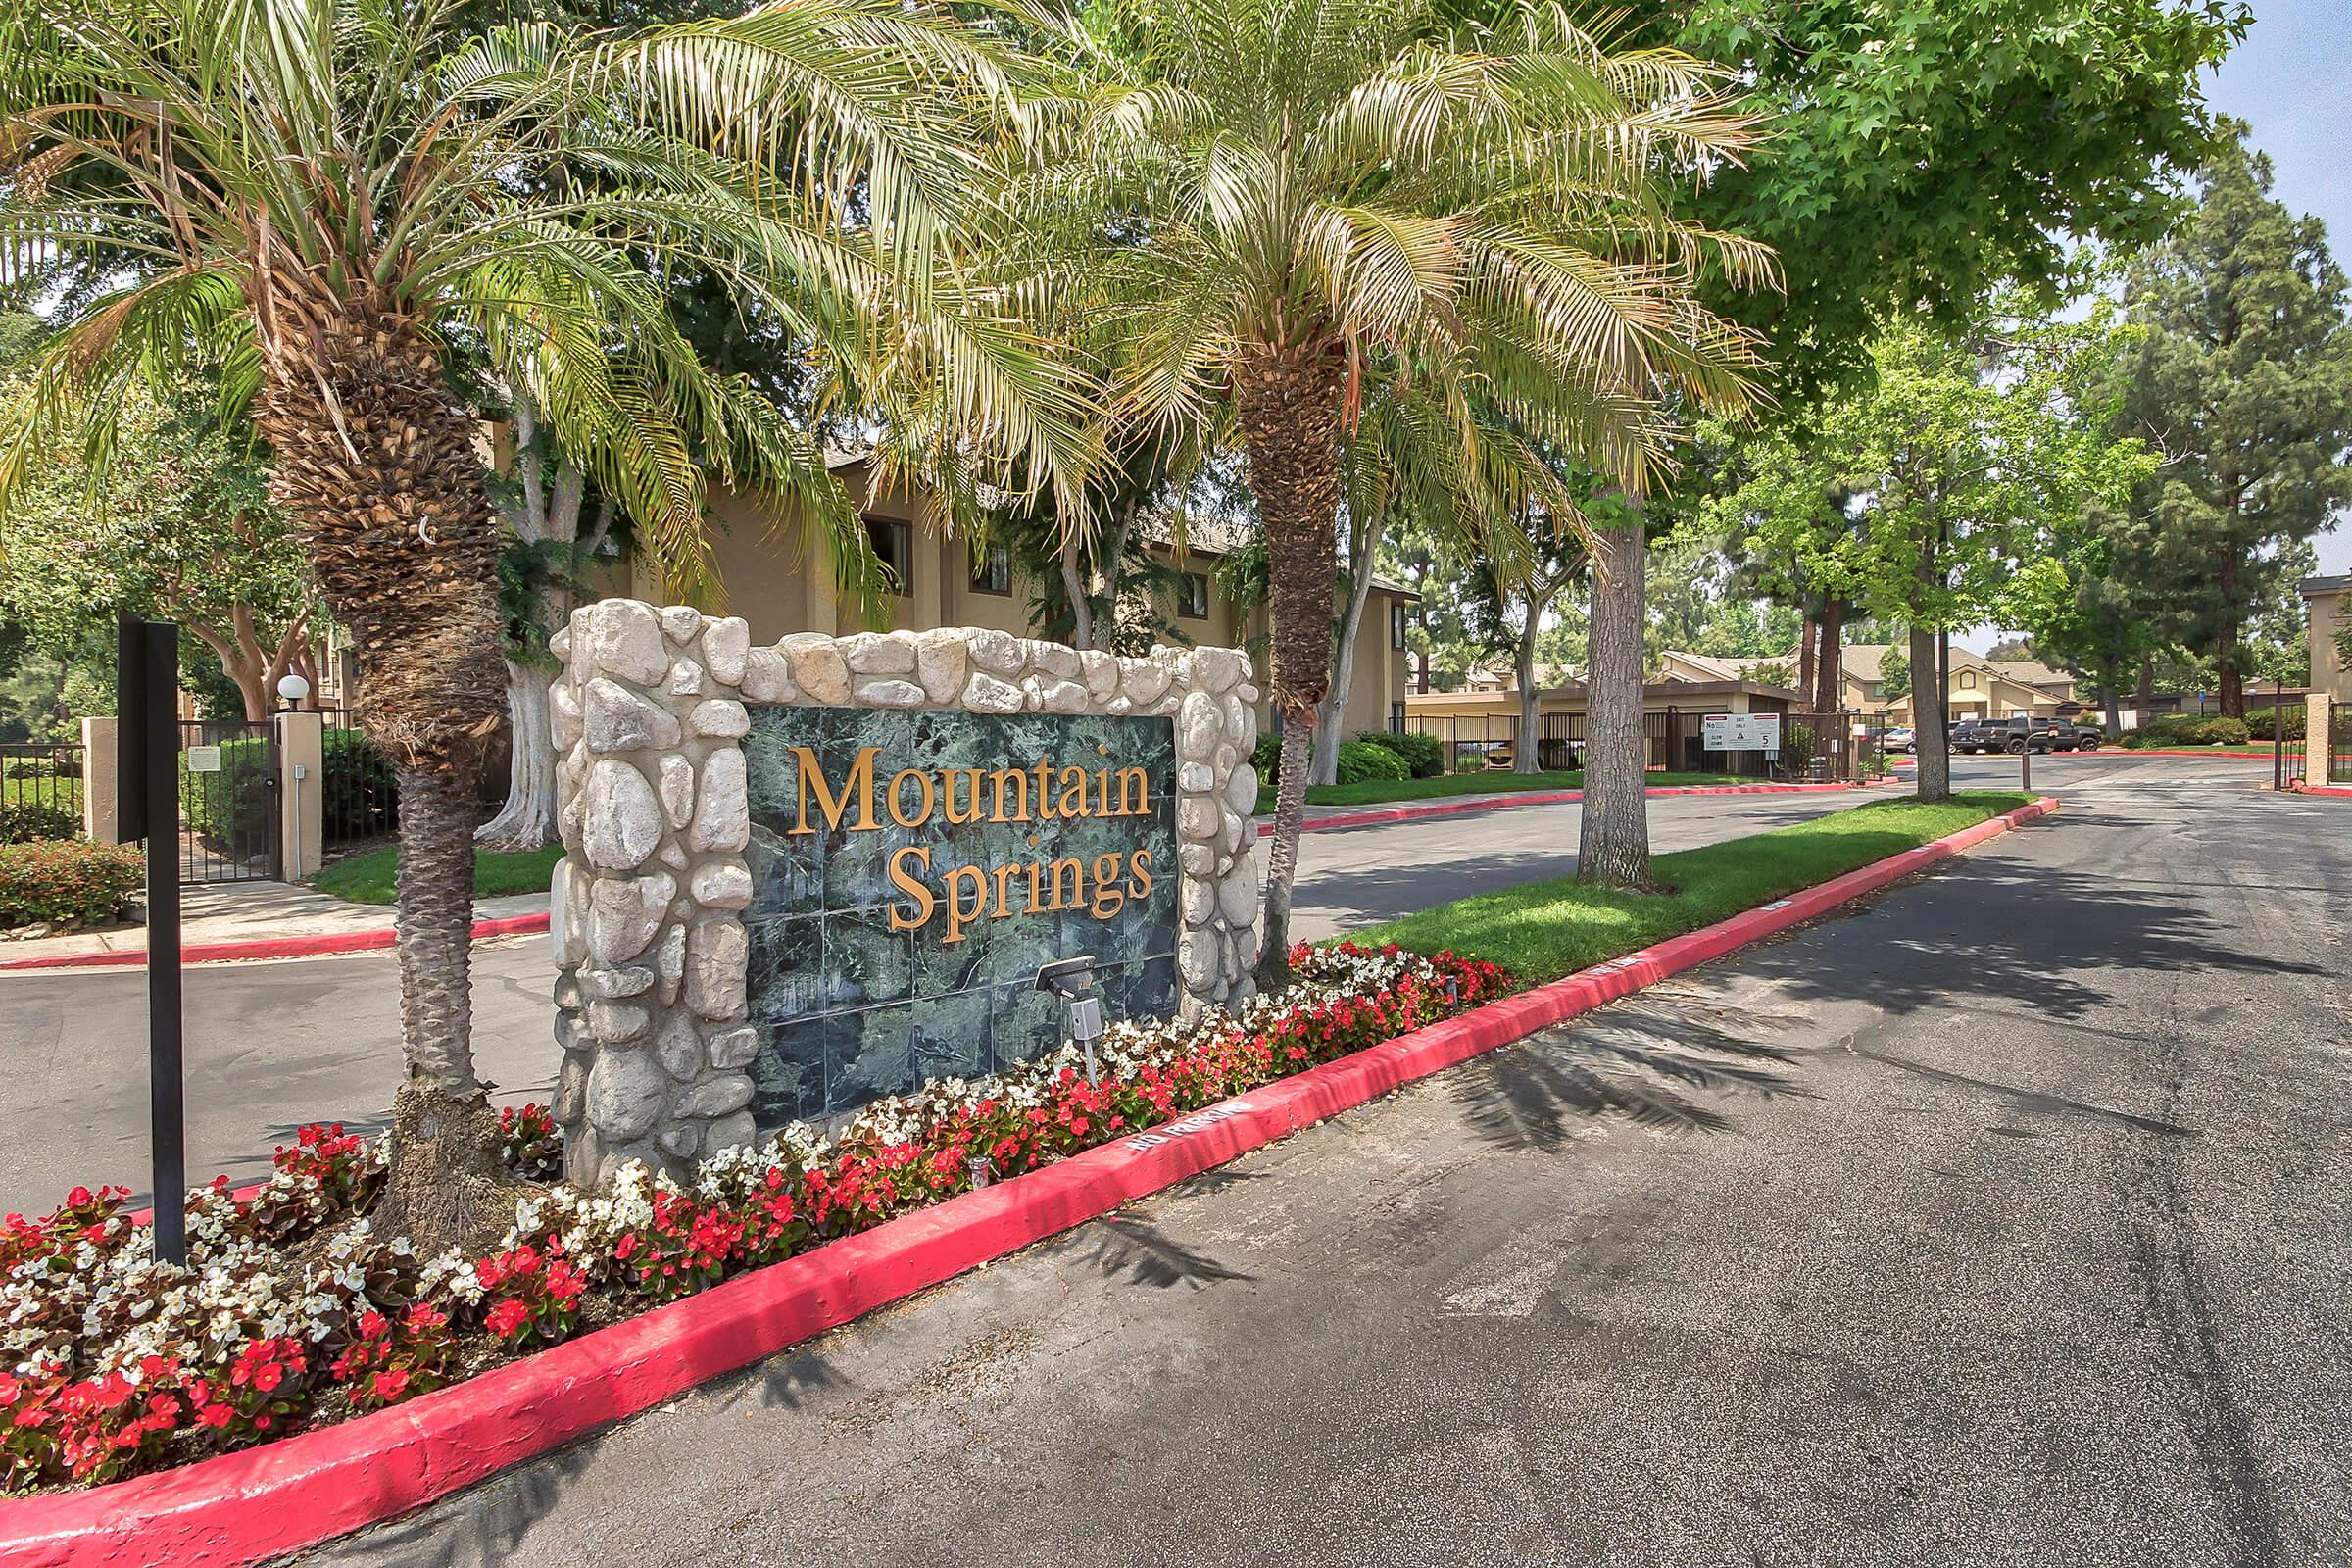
[[2012, 735]]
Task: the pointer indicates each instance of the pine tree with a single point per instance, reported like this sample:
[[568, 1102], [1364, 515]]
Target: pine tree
[[2244, 382]]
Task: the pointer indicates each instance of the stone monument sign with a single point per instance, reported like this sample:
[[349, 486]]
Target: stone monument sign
[[799, 877]]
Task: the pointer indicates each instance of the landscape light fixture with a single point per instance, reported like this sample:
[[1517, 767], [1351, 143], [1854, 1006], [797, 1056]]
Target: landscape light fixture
[[1073, 981], [293, 688]]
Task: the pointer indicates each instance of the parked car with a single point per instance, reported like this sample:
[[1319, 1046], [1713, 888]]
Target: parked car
[[2012, 735], [1901, 738], [2074, 735]]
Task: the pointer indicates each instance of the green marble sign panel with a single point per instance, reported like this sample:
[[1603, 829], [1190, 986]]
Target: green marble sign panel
[[907, 886]]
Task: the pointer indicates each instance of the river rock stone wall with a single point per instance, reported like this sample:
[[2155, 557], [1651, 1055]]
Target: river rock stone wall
[[648, 718]]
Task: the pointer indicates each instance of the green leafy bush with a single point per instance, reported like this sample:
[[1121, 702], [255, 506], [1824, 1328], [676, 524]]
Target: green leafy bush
[[1361, 761], [1424, 755], [2186, 729], [1266, 758], [31, 822], [58, 880], [2260, 722]]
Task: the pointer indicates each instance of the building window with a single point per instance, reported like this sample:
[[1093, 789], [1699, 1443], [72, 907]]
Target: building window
[[894, 547], [1396, 624], [994, 574], [1968, 679], [1192, 598]]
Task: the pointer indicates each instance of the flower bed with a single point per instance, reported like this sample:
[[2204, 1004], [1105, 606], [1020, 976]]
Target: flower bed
[[294, 1313]]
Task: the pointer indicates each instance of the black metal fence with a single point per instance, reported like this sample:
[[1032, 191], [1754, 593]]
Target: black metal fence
[[1846, 748], [362, 800], [228, 800], [41, 789]]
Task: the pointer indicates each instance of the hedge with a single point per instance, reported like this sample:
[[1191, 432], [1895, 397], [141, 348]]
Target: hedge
[[1424, 755], [31, 821], [2186, 729], [2260, 720], [1361, 761], [58, 880]]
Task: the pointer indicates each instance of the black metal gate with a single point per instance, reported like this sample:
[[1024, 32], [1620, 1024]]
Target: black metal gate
[[228, 801]]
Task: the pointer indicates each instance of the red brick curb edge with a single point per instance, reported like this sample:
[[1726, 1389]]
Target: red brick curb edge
[[246, 1507], [331, 943]]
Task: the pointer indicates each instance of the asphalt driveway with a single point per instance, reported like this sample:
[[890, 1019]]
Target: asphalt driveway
[[2002, 1221]]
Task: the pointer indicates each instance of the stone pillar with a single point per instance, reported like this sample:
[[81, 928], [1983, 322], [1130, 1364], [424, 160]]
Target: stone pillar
[[302, 792], [647, 721], [2316, 738], [101, 817]]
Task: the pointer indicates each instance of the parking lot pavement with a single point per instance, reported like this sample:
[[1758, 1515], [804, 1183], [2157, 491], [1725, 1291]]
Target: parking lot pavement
[[2000, 1221]]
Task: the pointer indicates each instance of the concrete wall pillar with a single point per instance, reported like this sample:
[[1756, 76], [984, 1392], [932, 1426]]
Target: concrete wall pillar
[[2315, 738], [302, 792], [101, 818]]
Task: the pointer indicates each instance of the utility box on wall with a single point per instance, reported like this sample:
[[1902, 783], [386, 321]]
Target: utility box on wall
[[799, 878]]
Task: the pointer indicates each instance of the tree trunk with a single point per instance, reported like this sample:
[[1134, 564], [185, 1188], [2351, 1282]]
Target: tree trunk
[[1421, 673], [1829, 659], [2115, 717], [547, 515], [2143, 692], [1614, 844], [1525, 756], [2232, 681], [446, 1181], [1289, 414], [376, 469], [1331, 713], [1073, 584], [527, 821], [1931, 737], [1805, 663]]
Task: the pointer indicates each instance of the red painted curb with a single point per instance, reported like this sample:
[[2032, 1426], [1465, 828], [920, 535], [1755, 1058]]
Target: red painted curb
[[319, 946], [340, 942], [2301, 788], [246, 1507]]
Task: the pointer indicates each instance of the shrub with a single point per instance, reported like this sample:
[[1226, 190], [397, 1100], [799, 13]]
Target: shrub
[[56, 880], [1361, 762], [1424, 755], [1266, 758], [31, 821], [2187, 729], [2260, 723]]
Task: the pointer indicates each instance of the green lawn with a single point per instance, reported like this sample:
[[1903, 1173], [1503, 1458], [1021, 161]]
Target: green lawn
[[1375, 791], [1543, 930], [368, 878]]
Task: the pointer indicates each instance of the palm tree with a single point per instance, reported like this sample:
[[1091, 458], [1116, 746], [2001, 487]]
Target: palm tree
[[1290, 201], [341, 197]]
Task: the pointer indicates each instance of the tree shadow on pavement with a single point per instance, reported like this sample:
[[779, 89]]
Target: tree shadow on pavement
[[2006, 933], [1640, 1062], [1122, 1245]]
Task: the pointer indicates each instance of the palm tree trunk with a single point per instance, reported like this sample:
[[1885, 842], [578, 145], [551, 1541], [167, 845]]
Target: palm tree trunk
[[378, 471], [1289, 410], [1614, 844]]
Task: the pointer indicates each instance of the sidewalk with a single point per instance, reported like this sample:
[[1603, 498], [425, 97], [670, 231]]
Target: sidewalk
[[233, 913]]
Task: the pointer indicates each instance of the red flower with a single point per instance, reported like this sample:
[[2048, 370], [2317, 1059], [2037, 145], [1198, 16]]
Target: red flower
[[389, 1386], [507, 1319], [215, 1415]]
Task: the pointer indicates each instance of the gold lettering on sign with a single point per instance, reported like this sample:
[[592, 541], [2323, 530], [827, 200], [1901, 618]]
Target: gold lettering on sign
[[966, 895]]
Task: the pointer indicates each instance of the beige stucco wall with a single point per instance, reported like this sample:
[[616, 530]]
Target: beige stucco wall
[[779, 583]]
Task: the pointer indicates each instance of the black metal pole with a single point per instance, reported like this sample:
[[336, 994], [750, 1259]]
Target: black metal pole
[[159, 674], [2277, 732]]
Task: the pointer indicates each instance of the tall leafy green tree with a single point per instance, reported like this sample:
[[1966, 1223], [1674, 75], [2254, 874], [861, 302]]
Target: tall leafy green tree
[[1331, 196], [2243, 379], [1955, 462], [342, 195]]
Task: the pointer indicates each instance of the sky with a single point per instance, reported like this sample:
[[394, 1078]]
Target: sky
[[2290, 81]]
